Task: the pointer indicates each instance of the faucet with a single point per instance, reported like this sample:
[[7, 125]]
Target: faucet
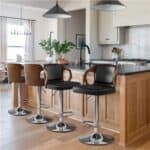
[[50, 37], [83, 46]]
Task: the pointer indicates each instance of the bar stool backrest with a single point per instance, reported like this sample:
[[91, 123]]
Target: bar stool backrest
[[15, 73], [105, 74], [54, 71], [33, 75]]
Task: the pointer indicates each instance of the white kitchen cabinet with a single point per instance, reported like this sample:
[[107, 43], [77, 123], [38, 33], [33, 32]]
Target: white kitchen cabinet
[[107, 33]]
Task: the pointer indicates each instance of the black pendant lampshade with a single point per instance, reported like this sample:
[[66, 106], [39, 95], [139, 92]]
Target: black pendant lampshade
[[57, 12], [109, 5]]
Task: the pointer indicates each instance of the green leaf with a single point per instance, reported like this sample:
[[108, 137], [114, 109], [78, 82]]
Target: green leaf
[[55, 45]]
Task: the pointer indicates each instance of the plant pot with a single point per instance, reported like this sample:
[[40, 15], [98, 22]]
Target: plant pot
[[62, 60]]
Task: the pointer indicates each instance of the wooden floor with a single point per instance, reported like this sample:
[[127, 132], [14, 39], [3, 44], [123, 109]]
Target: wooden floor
[[17, 134]]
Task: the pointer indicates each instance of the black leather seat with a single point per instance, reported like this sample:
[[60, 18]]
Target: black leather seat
[[104, 83], [60, 85], [55, 81], [94, 89]]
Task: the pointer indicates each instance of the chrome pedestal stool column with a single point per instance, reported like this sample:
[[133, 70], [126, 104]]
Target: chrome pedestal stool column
[[14, 75], [96, 138], [55, 82], [33, 78], [38, 118], [19, 111], [61, 126], [104, 83]]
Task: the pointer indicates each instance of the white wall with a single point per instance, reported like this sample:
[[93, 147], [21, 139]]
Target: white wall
[[42, 26], [136, 45], [91, 26], [92, 31], [71, 27]]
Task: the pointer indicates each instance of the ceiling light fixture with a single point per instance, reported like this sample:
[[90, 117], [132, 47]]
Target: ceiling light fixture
[[109, 5], [57, 12]]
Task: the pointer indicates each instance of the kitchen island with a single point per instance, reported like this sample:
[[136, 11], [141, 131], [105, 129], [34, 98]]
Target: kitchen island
[[126, 112]]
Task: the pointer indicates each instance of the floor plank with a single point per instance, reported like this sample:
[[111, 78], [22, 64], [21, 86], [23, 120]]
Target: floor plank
[[17, 134]]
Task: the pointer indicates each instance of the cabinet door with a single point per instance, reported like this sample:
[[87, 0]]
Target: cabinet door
[[76, 100], [107, 33], [46, 98], [55, 100], [89, 100]]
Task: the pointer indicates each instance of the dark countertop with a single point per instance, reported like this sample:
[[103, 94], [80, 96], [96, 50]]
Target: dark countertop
[[130, 70], [123, 69], [122, 59]]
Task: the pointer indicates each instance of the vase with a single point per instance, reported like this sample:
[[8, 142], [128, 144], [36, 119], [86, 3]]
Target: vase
[[49, 59], [115, 56]]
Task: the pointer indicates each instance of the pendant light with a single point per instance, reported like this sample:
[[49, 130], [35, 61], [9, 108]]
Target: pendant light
[[57, 12], [109, 5]]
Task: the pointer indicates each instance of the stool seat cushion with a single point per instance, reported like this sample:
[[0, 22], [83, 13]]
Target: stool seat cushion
[[94, 89], [61, 85]]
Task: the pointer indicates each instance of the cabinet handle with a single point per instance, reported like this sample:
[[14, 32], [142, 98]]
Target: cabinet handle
[[107, 39]]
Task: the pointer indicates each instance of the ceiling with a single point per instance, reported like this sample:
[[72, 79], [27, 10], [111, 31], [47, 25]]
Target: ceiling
[[32, 3], [39, 3]]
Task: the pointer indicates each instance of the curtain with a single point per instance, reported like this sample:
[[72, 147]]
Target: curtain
[[3, 39], [29, 29]]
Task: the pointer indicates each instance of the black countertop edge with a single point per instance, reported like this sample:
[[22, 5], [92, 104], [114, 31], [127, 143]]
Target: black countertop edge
[[123, 70], [133, 72], [123, 59]]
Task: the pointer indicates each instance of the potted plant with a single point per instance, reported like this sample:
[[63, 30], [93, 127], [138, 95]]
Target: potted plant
[[47, 46], [61, 49]]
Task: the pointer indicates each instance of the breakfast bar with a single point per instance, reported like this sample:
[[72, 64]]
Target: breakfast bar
[[126, 112]]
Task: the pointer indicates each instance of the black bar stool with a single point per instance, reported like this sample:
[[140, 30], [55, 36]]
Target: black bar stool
[[33, 78], [105, 77], [15, 76], [55, 82]]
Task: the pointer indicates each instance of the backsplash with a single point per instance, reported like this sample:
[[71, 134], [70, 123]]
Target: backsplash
[[136, 44]]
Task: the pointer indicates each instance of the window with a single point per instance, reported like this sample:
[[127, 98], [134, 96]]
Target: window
[[15, 41]]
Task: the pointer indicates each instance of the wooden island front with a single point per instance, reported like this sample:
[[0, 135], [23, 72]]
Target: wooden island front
[[127, 112]]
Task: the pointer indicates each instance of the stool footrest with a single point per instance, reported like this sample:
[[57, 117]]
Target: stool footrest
[[68, 113], [90, 123]]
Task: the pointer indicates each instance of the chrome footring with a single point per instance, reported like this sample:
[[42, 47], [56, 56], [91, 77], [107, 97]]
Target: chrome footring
[[60, 127], [96, 139], [19, 112], [38, 119]]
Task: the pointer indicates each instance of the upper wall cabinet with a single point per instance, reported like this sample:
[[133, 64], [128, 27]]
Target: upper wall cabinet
[[107, 33], [136, 13]]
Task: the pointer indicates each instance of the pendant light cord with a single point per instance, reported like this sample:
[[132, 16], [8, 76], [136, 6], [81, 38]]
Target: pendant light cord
[[21, 15]]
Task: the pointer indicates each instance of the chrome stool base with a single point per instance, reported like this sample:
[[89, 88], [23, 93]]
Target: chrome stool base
[[96, 139], [60, 127], [38, 119], [19, 112]]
